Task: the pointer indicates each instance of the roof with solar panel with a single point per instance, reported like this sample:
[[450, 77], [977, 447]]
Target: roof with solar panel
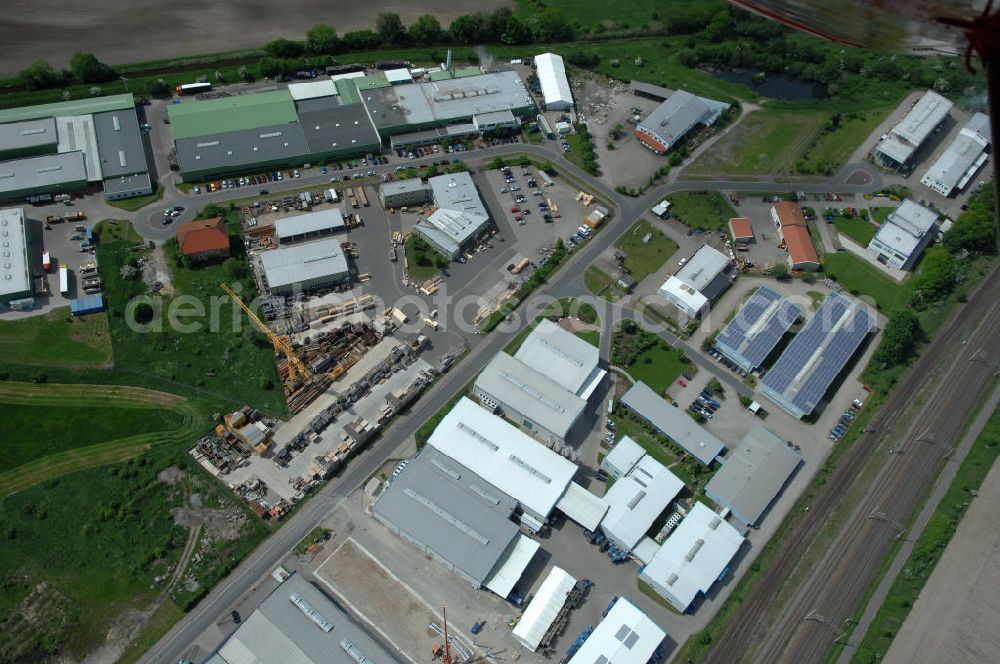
[[757, 328], [817, 355]]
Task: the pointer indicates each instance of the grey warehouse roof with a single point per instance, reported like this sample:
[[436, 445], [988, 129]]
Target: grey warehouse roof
[[673, 423], [965, 154], [704, 265], [906, 226], [564, 357], [326, 219], [679, 113], [329, 126], [304, 262], [45, 171], [531, 392], [14, 276], [394, 187], [912, 130], [452, 511], [753, 474], [457, 191], [234, 149], [28, 134], [119, 143], [297, 624], [127, 183]]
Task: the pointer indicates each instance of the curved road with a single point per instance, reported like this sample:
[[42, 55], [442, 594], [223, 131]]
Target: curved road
[[567, 281]]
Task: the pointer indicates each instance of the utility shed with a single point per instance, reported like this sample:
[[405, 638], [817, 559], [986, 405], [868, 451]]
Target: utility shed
[[551, 72], [636, 500], [625, 636], [297, 624], [693, 558], [673, 423], [501, 454], [312, 224], [452, 514], [543, 609], [753, 474]]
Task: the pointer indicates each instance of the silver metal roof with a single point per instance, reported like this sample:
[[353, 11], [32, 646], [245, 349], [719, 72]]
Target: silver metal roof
[[906, 227], [304, 263], [681, 111], [531, 392], [45, 171], [402, 186], [325, 219], [127, 183], [753, 474], [636, 500], [119, 143], [298, 624], [674, 423], [962, 155], [704, 265], [451, 510], [912, 130], [28, 134], [76, 134], [14, 274], [563, 357], [551, 72], [457, 191]]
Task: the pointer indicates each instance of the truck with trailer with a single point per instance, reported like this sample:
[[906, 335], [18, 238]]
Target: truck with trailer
[[64, 279], [46, 262], [193, 88]]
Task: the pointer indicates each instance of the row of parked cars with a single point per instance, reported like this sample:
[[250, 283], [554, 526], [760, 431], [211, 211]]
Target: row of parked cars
[[840, 428], [234, 183], [704, 404], [725, 361]]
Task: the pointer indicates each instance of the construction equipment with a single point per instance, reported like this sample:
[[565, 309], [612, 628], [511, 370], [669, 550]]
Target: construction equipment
[[295, 365]]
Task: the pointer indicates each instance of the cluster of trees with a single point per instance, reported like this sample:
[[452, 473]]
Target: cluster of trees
[[83, 68], [587, 155]]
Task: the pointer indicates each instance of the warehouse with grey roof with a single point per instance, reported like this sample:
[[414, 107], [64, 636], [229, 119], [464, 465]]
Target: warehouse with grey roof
[[669, 122], [15, 274], [305, 267], [460, 217], [673, 423]]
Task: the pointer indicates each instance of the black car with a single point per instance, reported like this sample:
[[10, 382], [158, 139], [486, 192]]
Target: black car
[[264, 192], [179, 208], [236, 617]]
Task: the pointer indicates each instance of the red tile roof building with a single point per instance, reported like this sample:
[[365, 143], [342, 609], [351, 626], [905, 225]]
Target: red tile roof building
[[791, 224], [204, 239]]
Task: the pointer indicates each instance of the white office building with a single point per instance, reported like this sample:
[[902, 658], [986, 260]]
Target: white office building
[[910, 133], [636, 500], [625, 636], [904, 235], [963, 158]]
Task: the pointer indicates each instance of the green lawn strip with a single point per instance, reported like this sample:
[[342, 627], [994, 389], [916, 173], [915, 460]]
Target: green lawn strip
[[860, 278], [702, 210], [314, 536], [592, 337], [422, 259], [855, 228], [764, 141], [601, 285], [881, 213], [832, 148], [214, 348], [576, 145], [58, 339], [111, 230], [644, 258], [138, 202], [659, 367], [931, 544]]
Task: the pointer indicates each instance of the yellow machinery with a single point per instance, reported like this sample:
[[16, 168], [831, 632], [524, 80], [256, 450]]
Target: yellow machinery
[[295, 365]]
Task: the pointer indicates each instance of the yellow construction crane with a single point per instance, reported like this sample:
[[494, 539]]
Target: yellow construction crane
[[295, 365]]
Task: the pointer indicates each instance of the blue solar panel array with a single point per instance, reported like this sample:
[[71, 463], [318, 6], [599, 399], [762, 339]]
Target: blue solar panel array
[[735, 340], [836, 334]]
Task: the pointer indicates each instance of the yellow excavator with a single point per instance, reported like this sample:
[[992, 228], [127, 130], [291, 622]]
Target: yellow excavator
[[295, 366]]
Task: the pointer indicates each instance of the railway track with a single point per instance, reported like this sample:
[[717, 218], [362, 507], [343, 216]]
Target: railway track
[[802, 627]]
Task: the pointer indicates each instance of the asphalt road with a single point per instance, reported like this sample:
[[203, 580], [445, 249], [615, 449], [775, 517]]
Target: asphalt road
[[778, 623], [568, 281]]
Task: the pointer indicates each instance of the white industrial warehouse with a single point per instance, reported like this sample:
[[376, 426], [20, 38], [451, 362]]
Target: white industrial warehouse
[[702, 278], [309, 225], [902, 238], [910, 133], [537, 618], [304, 267], [15, 273], [551, 71], [636, 500], [963, 158], [460, 216], [625, 636], [693, 558]]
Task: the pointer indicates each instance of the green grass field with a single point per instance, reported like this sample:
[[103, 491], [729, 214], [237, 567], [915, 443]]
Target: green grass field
[[659, 367], [420, 259], [57, 339], [766, 142], [702, 210], [643, 259], [855, 228], [600, 284], [881, 213], [213, 348], [830, 150], [576, 144], [863, 279], [592, 337]]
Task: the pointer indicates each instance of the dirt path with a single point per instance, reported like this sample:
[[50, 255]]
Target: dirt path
[[192, 541]]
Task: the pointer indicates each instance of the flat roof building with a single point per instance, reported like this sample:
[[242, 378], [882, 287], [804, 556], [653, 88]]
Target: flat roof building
[[501, 454], [673, 423], [695, 555], [297, 624], [323, 87], [753, 474], [756, 329], [963, 158], [128, 186], [27, 138], [790, 222], [622, 457], [684, 296], [817, 355], [60, 109], [669, 122], [460, 216], [625, 636], [706, 272], [404, 193], [529, 397], [15, 274], [903, 236], [457, 191], [119, 143], [309, 225], [566, 358], [334, 129], [304, 267], [211, 156], [636, 500], [453, 515], [910, 132], [235, 113], [551, 71], [77, 134], [45, 174], [541, 612]]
